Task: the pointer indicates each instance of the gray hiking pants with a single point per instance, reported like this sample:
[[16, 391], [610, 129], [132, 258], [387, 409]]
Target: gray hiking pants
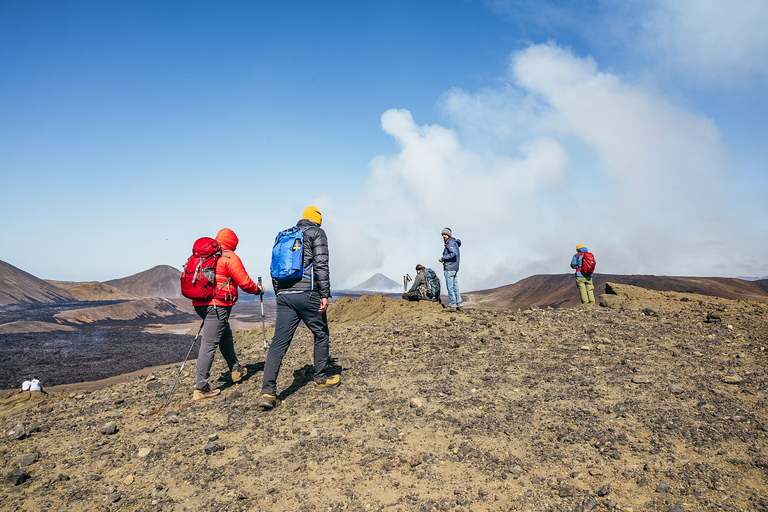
[[216, 333], [293, 308]]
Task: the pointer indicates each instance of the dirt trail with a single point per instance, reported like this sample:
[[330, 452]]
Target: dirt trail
[[656, 402]]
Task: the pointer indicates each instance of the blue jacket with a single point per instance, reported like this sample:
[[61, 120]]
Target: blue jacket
[[451, 254], [576, 261]]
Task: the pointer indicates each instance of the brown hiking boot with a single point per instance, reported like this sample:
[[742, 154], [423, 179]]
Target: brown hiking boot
[[269, 402], [330, 382], [206, 392], [459, 308], [449, 310], [238, 372]]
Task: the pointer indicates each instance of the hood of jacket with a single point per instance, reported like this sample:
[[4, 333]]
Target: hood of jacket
[[228, 239], [583, 249]]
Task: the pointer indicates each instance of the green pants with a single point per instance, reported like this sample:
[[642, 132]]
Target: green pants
[[586, 289]]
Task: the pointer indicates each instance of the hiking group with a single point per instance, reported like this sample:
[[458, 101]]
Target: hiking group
[[301, 281]]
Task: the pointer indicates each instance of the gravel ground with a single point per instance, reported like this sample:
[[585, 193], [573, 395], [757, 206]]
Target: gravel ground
[[655, 402]]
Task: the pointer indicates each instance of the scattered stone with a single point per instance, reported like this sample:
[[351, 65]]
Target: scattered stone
[[416, 403], [128, 480], [144, 452], [112, 498], [566, 491], [732, 379], [675, 389], [641, 379], [27, 460], [213, 437], [604, 489], [662, 487], [712, 318], [315, 432], [650, 312], [109, 429], [588, 504], [517, 470], [17, 477], [17, 432], [212, 448], [595, 472]]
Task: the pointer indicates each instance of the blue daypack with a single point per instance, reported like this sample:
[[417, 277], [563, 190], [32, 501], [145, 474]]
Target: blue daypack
[[433, 283], [288, 255]]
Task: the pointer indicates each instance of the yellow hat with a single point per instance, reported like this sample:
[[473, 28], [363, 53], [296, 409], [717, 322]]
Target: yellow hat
[[313, 214], [579, 246]]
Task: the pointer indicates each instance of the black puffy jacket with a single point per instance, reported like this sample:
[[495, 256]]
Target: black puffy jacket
[[316, 254]]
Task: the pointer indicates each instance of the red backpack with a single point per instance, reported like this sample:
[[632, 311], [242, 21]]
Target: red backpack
[[587, 263], [199, 274]]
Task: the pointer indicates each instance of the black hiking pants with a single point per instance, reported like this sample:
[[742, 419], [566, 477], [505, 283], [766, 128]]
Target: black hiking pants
[[293, 308]]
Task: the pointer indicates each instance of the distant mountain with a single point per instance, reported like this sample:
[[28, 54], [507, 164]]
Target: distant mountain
[[379, 283], [91, 290], [559, 290], [159, 281], [17, 286]]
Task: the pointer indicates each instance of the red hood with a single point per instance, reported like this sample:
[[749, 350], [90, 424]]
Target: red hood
[[228, 239]]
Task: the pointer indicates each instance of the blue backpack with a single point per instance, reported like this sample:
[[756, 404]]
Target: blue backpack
[[288, 255], [433, 284]]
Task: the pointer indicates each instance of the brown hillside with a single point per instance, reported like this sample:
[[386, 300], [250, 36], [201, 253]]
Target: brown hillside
[[139, 309], [92, 290], [159, 281], [559, 290], [32, 326], [17, 286]]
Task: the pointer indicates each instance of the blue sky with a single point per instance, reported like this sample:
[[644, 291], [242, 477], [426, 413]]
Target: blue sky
[[129, 129]]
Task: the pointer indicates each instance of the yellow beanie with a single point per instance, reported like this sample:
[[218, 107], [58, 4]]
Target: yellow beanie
[[579, 246], [313, 214]]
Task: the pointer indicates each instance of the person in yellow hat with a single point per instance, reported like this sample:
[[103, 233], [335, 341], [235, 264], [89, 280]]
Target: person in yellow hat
[[304, 299], [584, 264]]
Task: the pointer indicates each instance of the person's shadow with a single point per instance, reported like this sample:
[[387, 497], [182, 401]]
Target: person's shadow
[[226, 379], [306, 375]]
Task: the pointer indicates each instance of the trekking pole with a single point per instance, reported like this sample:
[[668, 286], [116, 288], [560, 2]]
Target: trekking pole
[[182, 364], [406, 279], [263, 327]]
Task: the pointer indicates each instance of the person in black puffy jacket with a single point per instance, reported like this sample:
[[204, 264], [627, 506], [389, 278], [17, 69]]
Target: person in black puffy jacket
[[302, 300]]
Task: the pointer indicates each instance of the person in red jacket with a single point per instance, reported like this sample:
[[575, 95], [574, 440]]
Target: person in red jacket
[[230, 275]]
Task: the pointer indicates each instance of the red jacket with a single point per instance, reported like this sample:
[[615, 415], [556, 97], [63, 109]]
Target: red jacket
[[230, 273]]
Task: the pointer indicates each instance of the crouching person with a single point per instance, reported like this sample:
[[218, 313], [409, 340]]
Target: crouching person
[[230, 275], [426, 286]]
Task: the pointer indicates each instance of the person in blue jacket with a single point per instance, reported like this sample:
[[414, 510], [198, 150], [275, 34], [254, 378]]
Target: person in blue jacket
[[450, 261], [583, 281]]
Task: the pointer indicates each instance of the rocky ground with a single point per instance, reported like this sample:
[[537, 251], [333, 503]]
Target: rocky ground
[[653, 402]]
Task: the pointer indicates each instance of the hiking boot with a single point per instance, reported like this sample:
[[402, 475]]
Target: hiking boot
[[238, 372], [449, 310], [269, 402], [330, 382], [206, 392], [459, 308]]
